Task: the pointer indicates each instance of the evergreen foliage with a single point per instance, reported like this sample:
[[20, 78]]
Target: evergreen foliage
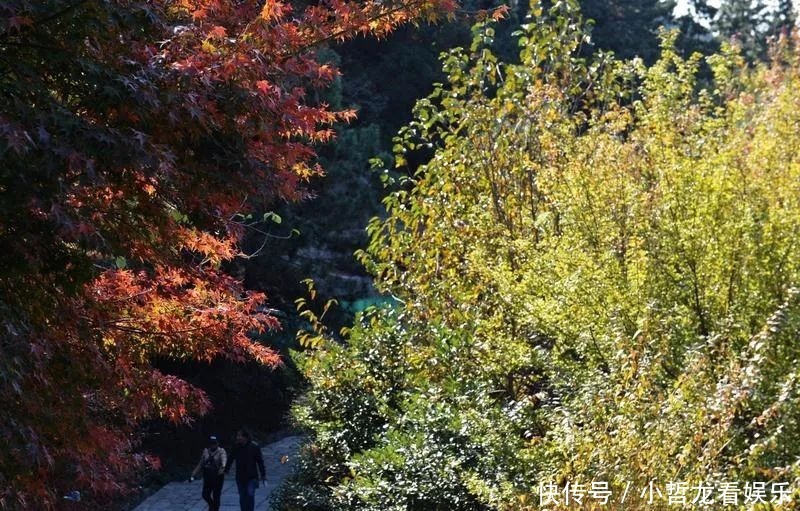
[[629, 28], [754, 25], [746, 22]]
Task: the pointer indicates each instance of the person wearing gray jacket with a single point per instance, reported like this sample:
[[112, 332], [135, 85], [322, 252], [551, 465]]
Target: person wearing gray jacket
[[212, 463]]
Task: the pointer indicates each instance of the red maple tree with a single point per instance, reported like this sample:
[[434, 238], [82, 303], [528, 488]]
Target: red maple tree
[[136, 136]]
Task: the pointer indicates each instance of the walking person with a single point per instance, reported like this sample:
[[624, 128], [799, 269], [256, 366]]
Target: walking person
[[249, 469], [212, 463]]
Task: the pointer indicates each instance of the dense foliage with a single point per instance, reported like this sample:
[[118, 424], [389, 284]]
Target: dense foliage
[[376, 84], [596, 279], [137, 138]]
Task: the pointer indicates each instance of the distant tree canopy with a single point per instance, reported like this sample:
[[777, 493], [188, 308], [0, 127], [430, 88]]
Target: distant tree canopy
[[753, 24], [597, 278], [629, 28], [138, 139]]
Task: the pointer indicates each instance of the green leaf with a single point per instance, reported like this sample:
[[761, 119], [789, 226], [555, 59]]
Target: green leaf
[[273, 217]]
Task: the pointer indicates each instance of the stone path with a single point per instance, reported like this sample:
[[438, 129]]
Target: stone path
[[183, 496]]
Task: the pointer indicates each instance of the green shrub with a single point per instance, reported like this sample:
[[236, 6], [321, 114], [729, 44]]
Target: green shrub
[[599, 274]]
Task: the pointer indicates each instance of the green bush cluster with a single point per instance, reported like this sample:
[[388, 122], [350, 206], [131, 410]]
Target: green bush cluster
[[598, 280]]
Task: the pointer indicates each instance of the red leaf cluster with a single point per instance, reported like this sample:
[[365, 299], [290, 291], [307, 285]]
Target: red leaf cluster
[[135, 135]]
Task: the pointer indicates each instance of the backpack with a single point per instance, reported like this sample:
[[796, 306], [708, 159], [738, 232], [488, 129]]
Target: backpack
[[211, 465]]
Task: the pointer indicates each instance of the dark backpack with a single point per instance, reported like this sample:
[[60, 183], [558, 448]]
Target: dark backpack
[[211, 465]]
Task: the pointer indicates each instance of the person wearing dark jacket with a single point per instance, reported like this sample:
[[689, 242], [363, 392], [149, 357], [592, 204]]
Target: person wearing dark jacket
[[249, 469]]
